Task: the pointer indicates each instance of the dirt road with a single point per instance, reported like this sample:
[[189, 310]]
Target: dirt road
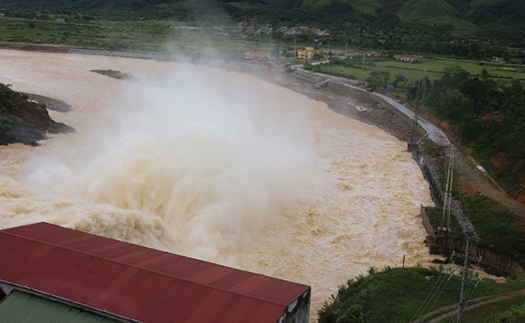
[[447, 312]]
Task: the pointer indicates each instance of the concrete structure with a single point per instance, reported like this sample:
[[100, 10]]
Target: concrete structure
[[307, 53], [490, 262], [130, 283]]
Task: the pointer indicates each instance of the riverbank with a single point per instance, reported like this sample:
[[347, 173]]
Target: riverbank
[[339, 100]]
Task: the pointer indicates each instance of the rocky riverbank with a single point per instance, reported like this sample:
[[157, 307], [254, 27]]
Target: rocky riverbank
[[28, 121]]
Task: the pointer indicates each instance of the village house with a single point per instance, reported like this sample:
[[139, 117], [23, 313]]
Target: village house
[[307, 53], [405, 58]]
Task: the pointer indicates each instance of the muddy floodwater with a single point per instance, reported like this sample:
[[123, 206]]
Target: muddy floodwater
[[214, 165]]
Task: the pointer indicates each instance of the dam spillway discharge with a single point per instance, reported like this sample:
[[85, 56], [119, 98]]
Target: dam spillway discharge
[[214, 165]]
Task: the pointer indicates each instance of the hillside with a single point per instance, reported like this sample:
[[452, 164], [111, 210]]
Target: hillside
[[481, 18]]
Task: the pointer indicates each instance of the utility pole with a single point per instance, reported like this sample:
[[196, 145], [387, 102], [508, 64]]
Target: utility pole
[[465, 279], [424, 83], [363, 70], [462, 298]]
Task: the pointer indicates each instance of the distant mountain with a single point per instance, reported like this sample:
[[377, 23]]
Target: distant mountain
[[501, 19]]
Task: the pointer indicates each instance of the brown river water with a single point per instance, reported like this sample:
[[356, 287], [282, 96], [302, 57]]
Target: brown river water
[[214, 165]]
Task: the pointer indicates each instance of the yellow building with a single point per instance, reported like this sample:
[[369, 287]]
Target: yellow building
[[307, 53]]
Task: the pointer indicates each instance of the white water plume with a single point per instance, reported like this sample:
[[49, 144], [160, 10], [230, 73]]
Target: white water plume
[[194, 137], [213, 160]]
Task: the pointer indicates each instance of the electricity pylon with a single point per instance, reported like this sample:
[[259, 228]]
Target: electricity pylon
[[447, 199], [413, 136]]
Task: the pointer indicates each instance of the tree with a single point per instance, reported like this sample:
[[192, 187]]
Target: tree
[[453, 105], [378, 79], [400, 79], [471, 127], [474, 89], [453, 76]]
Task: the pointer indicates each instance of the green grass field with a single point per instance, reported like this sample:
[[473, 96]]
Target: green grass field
[[431, 67]]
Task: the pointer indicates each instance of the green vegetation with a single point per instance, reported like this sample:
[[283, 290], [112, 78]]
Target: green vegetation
[[6, 98], [515, 314], [6, 104], [397, 294]]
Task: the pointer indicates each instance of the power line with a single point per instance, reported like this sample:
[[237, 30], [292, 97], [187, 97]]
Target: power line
[[466, 275]]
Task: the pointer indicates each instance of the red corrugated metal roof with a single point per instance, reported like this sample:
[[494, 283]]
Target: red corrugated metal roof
[[137, 282]]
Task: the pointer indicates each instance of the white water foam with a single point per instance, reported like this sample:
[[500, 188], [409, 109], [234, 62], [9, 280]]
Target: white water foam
[[215, 165]]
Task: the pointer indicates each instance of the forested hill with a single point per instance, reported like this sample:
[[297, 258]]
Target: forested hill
[[501, 19]]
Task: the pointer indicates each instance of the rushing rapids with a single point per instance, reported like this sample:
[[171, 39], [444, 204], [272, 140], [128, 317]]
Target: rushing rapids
[[215, 165]]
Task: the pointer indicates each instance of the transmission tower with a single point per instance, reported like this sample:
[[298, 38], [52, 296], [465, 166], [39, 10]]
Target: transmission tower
[[413, 136], [413, 145], [444, 229]]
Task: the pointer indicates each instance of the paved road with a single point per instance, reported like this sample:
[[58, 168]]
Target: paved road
[[435, 134]]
